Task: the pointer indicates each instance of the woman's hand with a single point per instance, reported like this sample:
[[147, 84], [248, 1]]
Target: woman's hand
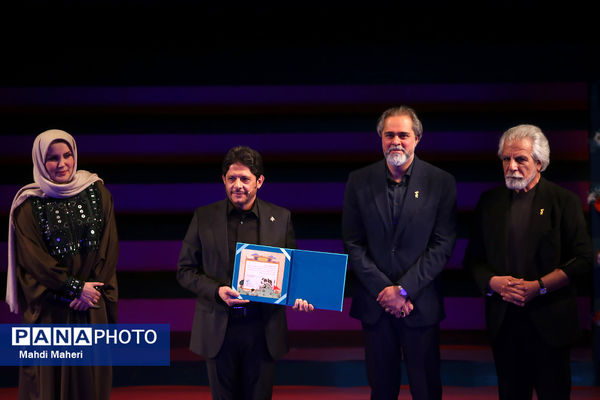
[[88, 297], [79, 305]]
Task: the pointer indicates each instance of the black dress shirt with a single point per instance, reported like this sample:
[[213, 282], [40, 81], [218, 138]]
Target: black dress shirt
[[242, 226], [397, 192], [519, 217]]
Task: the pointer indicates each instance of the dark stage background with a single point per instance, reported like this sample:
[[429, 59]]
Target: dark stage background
[[156, 94]]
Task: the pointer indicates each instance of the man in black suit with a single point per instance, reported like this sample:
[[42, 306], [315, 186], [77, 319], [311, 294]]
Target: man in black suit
[[240, 340], [399, 231], [528, 244]]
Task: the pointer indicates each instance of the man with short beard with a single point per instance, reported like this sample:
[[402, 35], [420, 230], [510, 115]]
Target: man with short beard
[[399, 224], [239, 340], [528, 243]]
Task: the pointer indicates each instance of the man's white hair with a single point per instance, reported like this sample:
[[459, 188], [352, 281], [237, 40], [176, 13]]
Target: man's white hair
[[540, 149]]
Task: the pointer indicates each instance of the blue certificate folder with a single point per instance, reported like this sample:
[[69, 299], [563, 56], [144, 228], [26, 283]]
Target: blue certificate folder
[[290, 274]]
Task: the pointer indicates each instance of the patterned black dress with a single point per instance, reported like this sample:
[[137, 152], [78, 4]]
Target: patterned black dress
[[61, 243]]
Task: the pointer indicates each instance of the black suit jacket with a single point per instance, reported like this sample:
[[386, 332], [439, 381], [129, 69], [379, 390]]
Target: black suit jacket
[[558, 238], [411, 255], [204, 266]]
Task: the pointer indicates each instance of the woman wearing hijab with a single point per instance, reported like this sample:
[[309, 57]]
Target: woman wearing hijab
[[63, 252]]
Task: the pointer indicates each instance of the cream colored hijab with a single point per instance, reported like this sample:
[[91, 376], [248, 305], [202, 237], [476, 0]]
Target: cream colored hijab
[[43, 187]]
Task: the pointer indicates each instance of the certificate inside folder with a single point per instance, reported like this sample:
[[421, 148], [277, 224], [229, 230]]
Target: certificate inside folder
[[279, 275]]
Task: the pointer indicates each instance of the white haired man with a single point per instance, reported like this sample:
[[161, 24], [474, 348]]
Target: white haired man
[[528, 244]]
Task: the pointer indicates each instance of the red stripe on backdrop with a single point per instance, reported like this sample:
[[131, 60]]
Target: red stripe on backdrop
[[305, 392]]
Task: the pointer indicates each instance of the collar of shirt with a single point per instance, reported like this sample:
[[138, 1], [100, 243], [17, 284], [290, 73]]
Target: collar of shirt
[[405, 177], [243, 213], [521, 194]]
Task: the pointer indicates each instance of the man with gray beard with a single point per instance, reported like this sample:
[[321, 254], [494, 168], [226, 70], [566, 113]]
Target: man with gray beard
[[399, 224], [528, 243]]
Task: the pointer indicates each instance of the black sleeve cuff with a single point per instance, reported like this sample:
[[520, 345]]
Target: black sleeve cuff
[[72, 288]]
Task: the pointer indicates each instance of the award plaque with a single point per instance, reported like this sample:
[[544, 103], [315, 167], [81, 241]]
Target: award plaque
[[261, 273], [279, 275]]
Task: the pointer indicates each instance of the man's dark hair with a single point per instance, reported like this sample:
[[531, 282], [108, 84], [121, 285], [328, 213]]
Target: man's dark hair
[[417, 126], [245, 156]]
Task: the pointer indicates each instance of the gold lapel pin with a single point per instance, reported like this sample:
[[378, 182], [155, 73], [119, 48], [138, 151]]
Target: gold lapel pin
[[416, 194], [272, 218], [541, 211]]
